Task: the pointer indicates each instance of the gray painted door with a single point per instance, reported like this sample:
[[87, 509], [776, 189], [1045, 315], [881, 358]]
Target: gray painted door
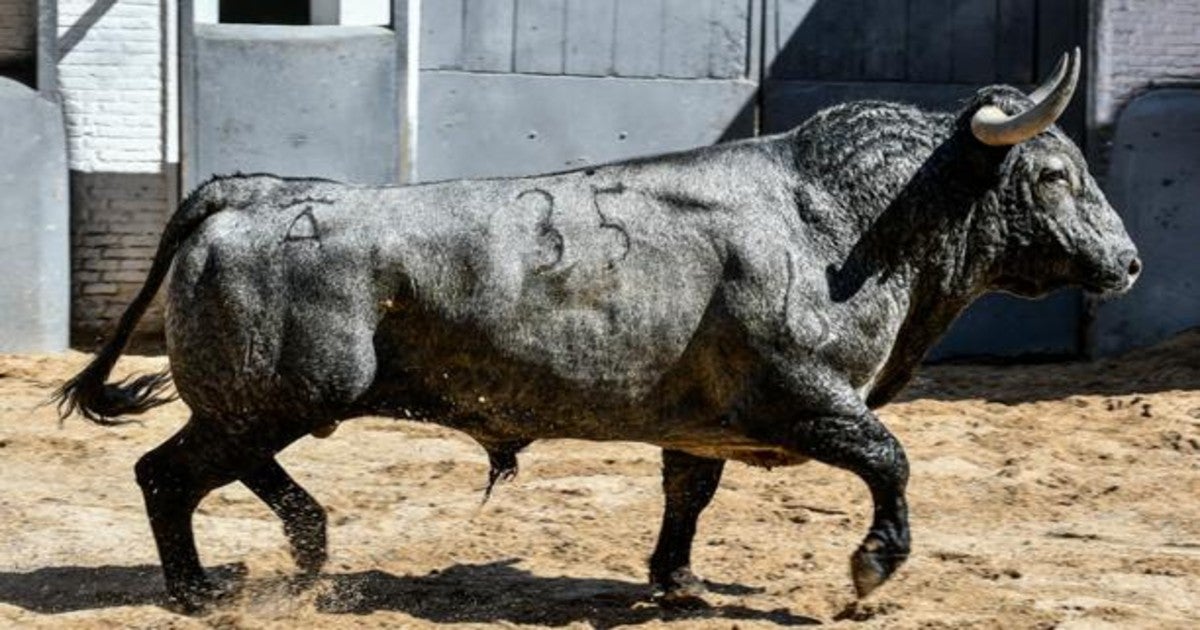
[[513, 87], [307, 101], [932, 53]]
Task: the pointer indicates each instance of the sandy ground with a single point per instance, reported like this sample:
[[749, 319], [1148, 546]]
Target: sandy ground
[[1041, 496]]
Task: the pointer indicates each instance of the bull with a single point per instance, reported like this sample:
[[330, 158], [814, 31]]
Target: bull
[[752, 301]]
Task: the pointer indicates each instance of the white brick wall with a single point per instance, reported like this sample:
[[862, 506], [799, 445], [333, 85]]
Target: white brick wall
[[111, 80], [1143, 43], [18, 29]]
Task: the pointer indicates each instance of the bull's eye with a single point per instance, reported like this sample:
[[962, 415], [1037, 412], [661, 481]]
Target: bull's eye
[[1053, 176]]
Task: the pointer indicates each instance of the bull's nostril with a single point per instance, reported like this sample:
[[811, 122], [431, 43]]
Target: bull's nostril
[[1135, 267]]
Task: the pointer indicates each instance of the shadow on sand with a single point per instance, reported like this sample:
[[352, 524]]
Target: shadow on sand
[[499, 591], [463, 593], [65, 589], [1171, 365]]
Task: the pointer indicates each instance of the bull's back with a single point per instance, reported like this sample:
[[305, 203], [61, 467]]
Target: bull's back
[[577, 298]]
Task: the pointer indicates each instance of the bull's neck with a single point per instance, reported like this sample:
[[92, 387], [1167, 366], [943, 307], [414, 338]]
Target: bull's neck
[[926, 243]]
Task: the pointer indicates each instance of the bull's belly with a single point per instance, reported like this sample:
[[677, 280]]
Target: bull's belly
[[450, 375]]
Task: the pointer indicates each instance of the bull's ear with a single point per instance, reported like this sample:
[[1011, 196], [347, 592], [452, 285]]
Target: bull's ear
[[993, 127]]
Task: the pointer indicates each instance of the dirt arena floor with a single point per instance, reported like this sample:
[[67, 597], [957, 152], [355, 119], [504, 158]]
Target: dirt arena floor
[[1063, 495]]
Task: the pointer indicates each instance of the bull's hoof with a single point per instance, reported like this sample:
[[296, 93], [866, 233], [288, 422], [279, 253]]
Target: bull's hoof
[[200, 594], [309, 562], [681, 589], [872, 564], [307, 541], [310, 555], [197, 596]]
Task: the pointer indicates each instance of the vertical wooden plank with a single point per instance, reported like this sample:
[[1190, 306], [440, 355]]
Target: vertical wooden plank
[[685, 38], [755, 45], [839, 33], [928, 51], [1015, 42], [973, 42], [796, 49], [487, 35], [1056, 33], [540, 35], [46, 53], [730, 38], [590, 37], [885, 26], [1061, 25], [637, 48], [441, 34]]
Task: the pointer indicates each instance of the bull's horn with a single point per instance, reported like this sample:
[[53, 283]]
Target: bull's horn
[[1056, 77], [994, 127]]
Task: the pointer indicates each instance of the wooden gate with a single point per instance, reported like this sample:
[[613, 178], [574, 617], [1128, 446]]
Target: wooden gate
[[927, 52], [511, 87], [932, 53]]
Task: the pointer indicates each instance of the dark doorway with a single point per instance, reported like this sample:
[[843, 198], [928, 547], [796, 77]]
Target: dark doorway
[[265, 12]]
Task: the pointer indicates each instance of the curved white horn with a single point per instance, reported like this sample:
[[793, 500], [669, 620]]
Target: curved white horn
[[1056, 77], [994, 127]]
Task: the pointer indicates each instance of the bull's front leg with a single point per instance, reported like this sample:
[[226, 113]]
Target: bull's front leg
[[689, 483], [861, 444]]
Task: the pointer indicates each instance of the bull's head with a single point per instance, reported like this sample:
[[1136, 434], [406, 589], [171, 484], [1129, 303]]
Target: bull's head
[[1054, 226]]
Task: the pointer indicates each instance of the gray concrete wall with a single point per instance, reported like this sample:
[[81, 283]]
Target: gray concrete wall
[[308, 101], [1154, 182], [34, 297], [1140, 46]]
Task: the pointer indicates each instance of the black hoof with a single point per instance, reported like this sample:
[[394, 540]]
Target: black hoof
[[308, 543], [309, 561], [680, 589], [201, 594], [873, 563], [196, 597]]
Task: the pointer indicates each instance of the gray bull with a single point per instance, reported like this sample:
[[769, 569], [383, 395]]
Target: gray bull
[[751, 301]]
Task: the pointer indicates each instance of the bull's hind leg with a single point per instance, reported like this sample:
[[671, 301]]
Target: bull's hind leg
[[303, 518], [862, 445], [689, 483], [175, 476]]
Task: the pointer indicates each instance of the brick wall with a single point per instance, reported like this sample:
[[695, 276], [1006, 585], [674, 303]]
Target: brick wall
[[111, 81], [116, 220], [18, 29], [1140, 44], [1143, 43]]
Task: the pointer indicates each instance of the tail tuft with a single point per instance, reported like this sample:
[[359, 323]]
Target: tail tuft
[[87, 393], [103, 403]]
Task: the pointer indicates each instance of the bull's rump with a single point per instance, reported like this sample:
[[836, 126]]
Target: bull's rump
[[515, 298]]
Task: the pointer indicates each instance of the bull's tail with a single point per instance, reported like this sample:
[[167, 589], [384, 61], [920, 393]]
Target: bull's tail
[[87, 393]]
